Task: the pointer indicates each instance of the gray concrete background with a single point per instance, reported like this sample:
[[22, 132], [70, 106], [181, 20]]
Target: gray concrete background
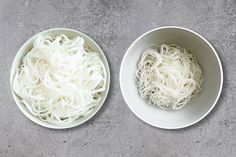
[[115, 131]]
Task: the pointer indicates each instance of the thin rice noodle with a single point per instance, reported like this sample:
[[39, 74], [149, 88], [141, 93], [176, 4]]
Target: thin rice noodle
[[168, 76]]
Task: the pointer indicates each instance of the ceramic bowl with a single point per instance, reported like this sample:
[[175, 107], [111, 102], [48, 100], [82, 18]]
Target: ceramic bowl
[[199, 106], [26, 48]]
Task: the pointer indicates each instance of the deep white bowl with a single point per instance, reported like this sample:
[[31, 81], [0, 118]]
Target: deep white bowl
[[26, 48], [199, 106]]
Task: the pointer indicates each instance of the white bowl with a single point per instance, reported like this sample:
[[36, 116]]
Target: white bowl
[[28, 45], [199, 106]]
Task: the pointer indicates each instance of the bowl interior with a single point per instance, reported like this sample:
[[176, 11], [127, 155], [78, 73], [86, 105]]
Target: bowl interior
[[28, 46], [200, 105]]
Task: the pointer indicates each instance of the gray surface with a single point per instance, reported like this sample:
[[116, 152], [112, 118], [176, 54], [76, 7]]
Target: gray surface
[[115, 131]]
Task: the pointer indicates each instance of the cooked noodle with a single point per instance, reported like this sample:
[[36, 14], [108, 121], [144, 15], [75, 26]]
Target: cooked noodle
[[168, 76], [60, 79]]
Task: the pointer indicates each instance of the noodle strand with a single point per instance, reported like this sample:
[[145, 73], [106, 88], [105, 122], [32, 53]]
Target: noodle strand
[[168, 76]]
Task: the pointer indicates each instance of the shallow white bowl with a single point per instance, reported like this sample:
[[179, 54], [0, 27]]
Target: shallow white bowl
[[26, 48], [199, 106]]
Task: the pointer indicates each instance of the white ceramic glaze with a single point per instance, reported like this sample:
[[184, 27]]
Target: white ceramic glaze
[[26, 48], [199, 106]]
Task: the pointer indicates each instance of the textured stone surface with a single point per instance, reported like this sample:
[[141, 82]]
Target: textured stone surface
[[115, 131]]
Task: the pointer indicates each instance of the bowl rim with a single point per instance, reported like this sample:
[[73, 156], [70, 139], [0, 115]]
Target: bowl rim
[[35, 119], [202, 38]]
